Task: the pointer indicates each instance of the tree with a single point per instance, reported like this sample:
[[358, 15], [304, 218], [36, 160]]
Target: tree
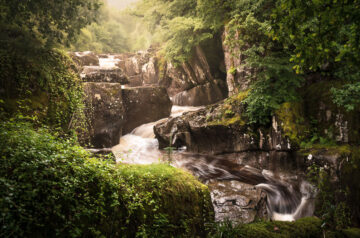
[[49, 21]]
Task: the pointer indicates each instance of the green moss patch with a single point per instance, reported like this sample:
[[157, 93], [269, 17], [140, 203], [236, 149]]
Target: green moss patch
[[230, 112], [292, 121], [332, 149], [306, 227]]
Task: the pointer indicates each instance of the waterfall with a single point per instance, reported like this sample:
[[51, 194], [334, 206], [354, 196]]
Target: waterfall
[[287, 199]]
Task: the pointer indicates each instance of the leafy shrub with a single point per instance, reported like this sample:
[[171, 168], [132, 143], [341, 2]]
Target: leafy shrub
[[53, 188], [41, 83]]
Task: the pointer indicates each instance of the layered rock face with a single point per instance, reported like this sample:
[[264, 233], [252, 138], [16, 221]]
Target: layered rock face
[[183, 82], [99, 74], [201, 95]]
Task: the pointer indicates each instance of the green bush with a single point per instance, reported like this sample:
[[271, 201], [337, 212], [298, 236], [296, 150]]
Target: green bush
[[53, 188], [42, 84]]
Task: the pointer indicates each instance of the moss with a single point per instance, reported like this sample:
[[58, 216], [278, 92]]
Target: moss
[[181, 204], [224, 121], [292, 121], [230, 112], [352, 232], [316, 149], [48, 85], [306, 227], [161, 64]]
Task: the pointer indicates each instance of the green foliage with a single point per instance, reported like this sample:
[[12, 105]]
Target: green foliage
[[348, 96], [51, 188], [309, 227], [323, 37], [50, 22], [114, 32], [321, 32], [45, 84], [267, 95], [176, 25]]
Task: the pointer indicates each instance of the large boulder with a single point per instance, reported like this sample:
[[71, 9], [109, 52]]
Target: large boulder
[[200, 133], [145, 104], [206, 94], [99, 74], [105, 113], [236, 201]]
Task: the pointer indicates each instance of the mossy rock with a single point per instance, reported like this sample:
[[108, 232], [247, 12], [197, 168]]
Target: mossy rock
[[292, 121], [230, 112], [309, 227], [352, 232]]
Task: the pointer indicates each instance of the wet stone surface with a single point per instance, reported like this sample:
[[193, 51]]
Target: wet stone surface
[[236, 201]]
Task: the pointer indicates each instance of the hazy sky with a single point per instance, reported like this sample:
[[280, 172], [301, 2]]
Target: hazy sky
[[120, 4]]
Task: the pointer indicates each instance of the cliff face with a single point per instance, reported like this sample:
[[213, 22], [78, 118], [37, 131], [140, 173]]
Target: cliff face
[[182, 82], [237, 72]]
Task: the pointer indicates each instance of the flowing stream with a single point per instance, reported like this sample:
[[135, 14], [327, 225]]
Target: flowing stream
[[287, 199]]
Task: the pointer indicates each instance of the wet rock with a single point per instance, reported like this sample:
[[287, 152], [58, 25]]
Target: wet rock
[[199, 134], [145, 104], [105, 113], [108, 75], [87, 58], [236, 201], [202, 95]]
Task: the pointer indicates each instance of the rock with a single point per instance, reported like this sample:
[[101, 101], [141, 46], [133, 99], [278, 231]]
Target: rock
[[108, 75], [333, 122], [195, 72], [237, 74], [202, 95], [105, 112], [87, 58], [150, 72], [145, 104], [200, 134], [135, 81], [236, 201], [147, 68]]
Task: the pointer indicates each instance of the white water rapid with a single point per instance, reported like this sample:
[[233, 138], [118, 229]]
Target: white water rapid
[[140, 146]]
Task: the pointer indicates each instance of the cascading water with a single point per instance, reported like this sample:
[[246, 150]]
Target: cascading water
[[287, 198]]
